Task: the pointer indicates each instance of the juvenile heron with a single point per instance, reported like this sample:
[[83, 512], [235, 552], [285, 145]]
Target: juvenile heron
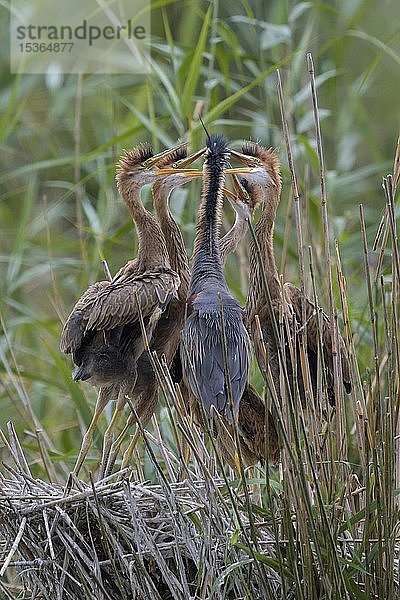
[[167, 332], [263, 184], [213, 370], [103, 331]]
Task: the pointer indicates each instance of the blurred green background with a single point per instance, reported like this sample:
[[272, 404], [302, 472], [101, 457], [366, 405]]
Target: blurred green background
[[59, 210]]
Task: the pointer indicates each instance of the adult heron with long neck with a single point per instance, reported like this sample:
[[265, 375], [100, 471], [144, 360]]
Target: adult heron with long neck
[[258, 439], [263, 183], [215, 344], [103, 331], [256, 425]]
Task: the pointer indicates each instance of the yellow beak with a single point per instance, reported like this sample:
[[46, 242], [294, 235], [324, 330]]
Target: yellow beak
[[239, 189], [187, 172], [197, 173], [229, 194], [154, 159], [184, 162], [250, 161]]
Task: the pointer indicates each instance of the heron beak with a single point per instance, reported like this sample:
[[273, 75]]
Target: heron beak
[[179, 166], [250, 161], [230, 195], [239, 195], [184, 162], [239, 189], [150, 162], [197, 173], [187, 172], [238, 171]]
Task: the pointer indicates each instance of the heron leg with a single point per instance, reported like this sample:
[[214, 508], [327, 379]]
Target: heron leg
[[127, 458], [144, 408], [117, 444], [108, 434], [103, 397]]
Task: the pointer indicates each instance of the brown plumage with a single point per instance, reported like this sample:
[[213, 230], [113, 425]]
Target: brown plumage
[[167, 333], [257, 429], [257, 433], [243, 212], [103, 331], [264, 184]]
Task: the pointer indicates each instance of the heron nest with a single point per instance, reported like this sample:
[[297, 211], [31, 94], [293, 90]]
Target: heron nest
[[119, 538]]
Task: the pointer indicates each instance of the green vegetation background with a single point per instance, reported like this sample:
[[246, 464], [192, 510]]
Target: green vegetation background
[[59, 210]]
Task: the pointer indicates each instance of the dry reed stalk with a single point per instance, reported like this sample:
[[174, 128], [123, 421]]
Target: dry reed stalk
[[118, 538], [340, 415]]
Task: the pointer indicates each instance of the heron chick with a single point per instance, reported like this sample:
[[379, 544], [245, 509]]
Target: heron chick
[[103, 331], [263, 184]]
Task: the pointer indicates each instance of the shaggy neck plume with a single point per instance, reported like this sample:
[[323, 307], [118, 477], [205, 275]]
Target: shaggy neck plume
[[206, 256]]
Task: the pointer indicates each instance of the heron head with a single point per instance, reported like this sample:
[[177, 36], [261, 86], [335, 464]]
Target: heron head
[[171, 166], [263, 176], [140, 165], [172, 171], [240, 200]]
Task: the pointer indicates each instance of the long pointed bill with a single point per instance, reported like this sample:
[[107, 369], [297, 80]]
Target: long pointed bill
[[184, 162], [239, 189], [238, 171], [229, 194], [197, 173], [240, 195], [250, 161], [154, 159], [187, 172]]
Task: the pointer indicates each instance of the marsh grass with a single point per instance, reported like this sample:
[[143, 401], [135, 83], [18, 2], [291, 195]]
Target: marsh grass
[[178, 523]]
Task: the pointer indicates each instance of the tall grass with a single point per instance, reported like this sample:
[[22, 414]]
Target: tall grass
[[332, 509]]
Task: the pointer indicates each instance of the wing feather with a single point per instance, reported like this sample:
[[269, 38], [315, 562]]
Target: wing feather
[[72, 332], [203, 361], [107, 305]]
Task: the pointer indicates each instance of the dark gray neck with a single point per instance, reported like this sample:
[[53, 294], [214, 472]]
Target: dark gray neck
[[207, 266], [207, 271]]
